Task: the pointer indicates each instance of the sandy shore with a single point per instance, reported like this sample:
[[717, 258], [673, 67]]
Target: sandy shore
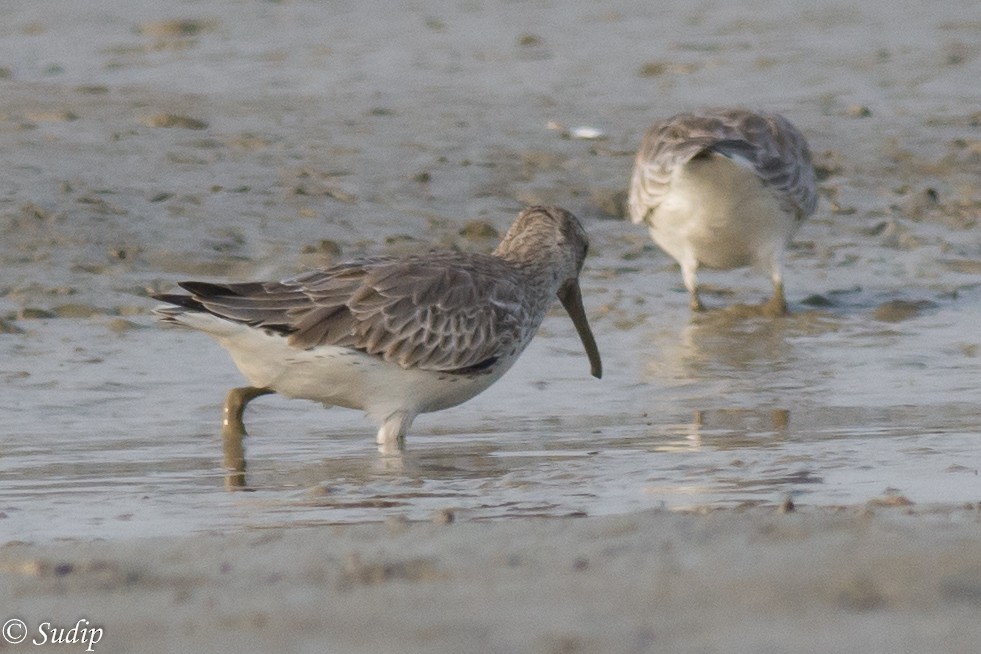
[[875, 579]]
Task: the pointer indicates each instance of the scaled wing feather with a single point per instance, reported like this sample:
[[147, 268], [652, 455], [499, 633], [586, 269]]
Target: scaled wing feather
[[776, 151], [441, 312]]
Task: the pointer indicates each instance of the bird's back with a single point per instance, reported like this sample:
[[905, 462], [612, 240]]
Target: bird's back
[[767, 144]]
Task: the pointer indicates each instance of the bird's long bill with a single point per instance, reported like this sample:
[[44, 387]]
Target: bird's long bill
[[571, 298]]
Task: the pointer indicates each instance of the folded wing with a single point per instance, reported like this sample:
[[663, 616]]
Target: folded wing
[[438, 312], [767, 143]]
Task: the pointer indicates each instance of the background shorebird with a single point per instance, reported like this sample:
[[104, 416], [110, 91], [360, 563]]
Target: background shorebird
[[724, 188], [394, 337]]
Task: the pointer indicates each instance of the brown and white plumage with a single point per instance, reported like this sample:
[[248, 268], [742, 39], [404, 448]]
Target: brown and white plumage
[[395, 336], [723, 188]]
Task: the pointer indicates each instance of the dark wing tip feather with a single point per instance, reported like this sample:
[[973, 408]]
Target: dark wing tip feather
[[184, 301], [198, 290], [731, 147], [247, 303], [208, 289]]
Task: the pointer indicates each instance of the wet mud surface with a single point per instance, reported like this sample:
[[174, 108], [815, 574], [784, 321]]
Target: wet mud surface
[[214, 141]]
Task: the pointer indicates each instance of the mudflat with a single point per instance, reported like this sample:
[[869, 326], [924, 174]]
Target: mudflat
[[145, 143]]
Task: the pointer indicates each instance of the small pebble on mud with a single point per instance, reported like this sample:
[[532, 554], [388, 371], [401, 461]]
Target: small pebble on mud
[[7, 327], [169, 120], [529, 40], [120, 325], [34, 313], [55, 116], [176, 28], [890, 501], [900, 310], [76, 311], [478, 229], [326, 247], [444, 516], [858, 111]]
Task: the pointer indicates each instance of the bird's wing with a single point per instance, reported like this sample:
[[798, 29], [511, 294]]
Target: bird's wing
[[444, 312], [767, 143]]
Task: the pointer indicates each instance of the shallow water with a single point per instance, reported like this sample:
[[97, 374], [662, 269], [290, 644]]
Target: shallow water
[[809, 415], [313, 140]]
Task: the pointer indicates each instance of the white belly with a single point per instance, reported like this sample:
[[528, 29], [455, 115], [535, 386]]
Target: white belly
[[719, 213], [348, 378]]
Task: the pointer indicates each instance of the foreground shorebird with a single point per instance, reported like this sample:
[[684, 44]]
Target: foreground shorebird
[[394, 337], [724, 189]]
